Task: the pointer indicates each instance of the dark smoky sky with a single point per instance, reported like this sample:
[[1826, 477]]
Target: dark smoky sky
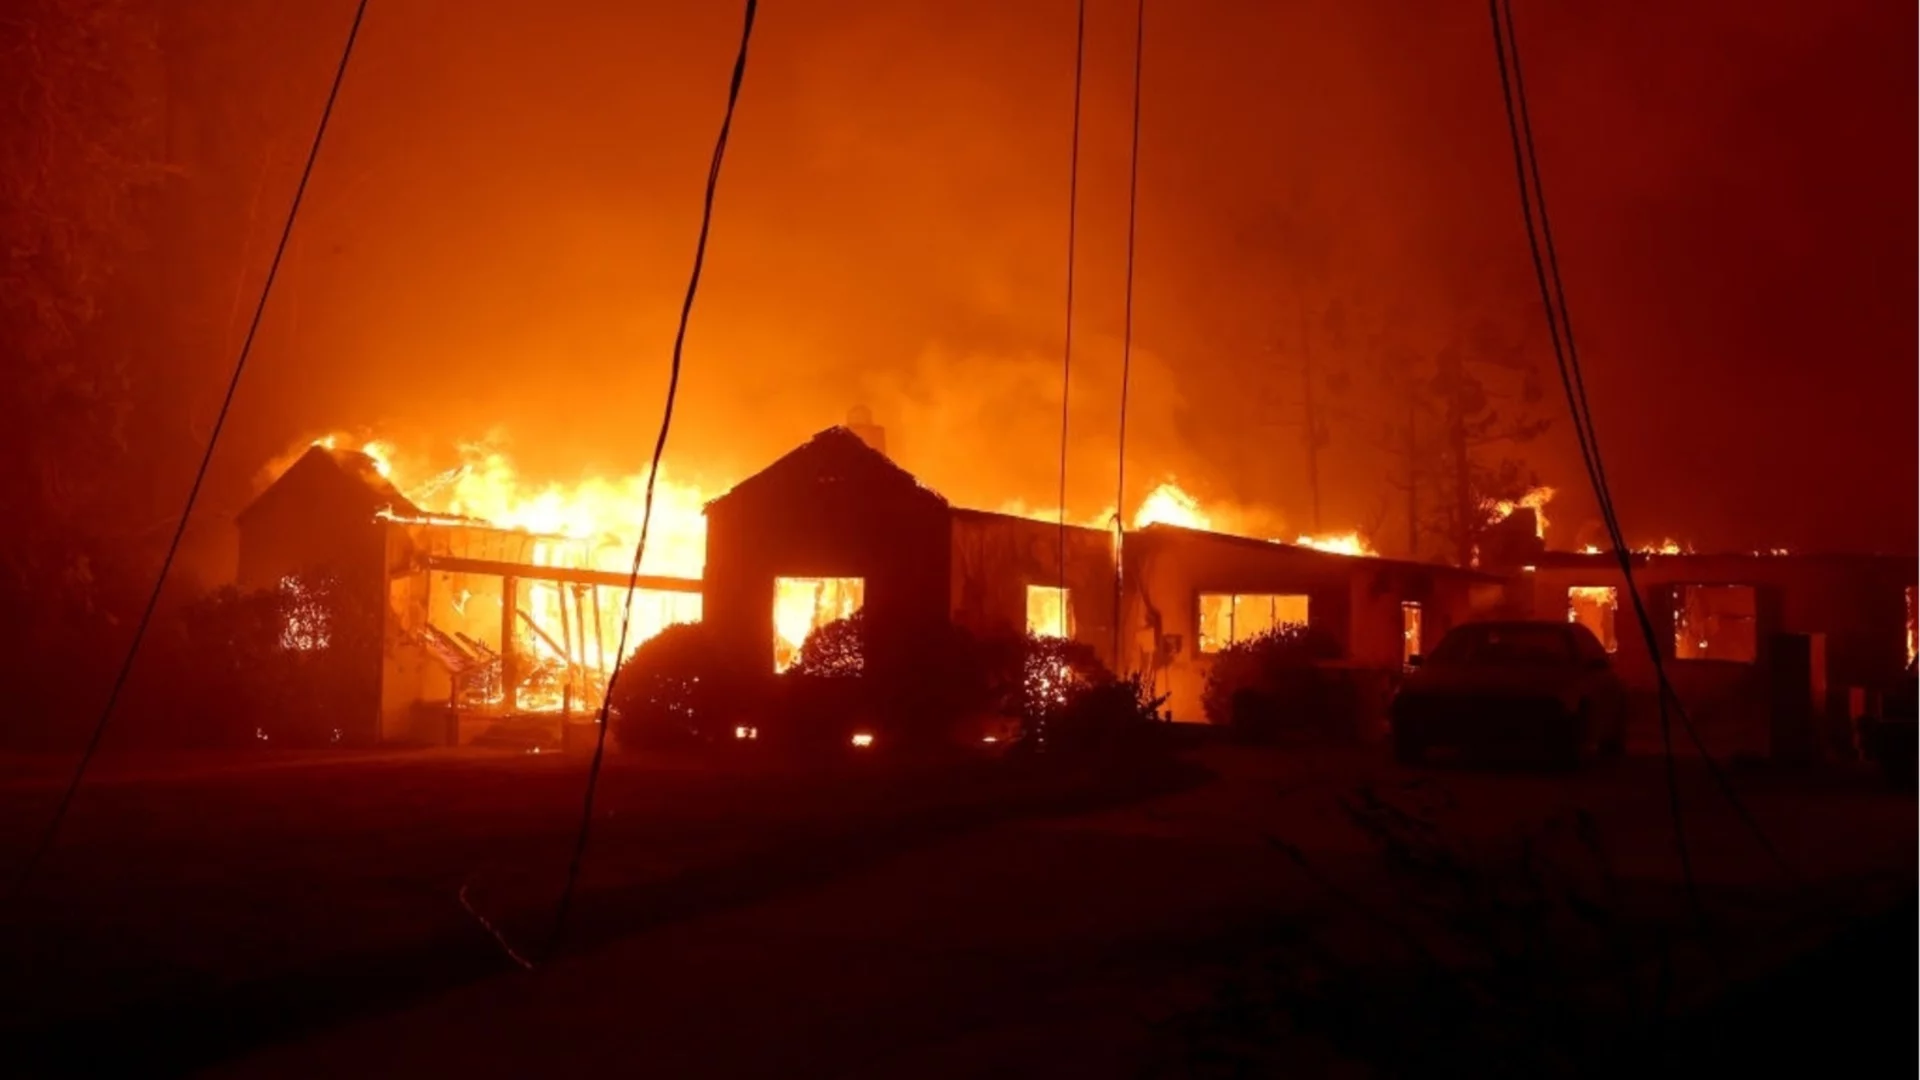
[[501, 225]]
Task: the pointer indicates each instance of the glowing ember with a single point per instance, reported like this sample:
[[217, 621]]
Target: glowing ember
[[1666, 547], [862, 739], [1536, 499], [1590, 549], [306, 626]]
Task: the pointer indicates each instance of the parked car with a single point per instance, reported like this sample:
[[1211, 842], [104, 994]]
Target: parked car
[[1533, 686]]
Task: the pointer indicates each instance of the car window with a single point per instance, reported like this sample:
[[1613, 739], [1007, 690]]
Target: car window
[[1503, 644], [1587, 644]]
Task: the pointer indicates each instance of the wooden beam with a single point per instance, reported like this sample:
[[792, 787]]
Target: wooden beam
[[509, 663], [606, 579]]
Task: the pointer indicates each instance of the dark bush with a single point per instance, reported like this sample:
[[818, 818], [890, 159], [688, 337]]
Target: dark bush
[[1109, 714], [1271, 682], [296, 665], [834, 650], [670, 692], [1054, 672]]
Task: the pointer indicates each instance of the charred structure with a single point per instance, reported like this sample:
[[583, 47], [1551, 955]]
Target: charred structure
[[482, 623]]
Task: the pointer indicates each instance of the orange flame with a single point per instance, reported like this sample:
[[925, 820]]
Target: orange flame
[[1536, 499], [1347, 543]]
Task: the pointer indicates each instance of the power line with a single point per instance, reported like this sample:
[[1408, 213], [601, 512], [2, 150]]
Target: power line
[[1126, 335], [1566, 356], [653, 474], [1066, 352], [1599, 468], [1519, 131], [200, 474]]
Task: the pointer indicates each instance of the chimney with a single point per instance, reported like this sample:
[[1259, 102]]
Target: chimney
[[860, 422]]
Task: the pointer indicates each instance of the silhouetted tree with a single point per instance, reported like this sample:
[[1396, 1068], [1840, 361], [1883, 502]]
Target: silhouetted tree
[[1455, 415], [79, 91]]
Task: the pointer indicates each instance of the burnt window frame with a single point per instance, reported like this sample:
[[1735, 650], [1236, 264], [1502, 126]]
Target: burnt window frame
[[1611, 643], [1199, 600], [1066, 604], [1677, 601]]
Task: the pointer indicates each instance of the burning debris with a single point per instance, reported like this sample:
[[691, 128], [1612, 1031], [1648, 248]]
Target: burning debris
[[1535, 499]]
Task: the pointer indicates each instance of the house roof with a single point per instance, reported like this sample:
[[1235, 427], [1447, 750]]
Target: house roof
[[833, 456], [1605, 560], [346, 474], [1328, 557], [996, 517]]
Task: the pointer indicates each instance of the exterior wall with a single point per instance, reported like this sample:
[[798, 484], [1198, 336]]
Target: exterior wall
[[897, 537], [1168, 569], [1354, 600], [995, 558], [1856, 603]]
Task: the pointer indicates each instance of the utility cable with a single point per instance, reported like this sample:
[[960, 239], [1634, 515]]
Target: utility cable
[[1511, 94], [1066, 352], [1126, 333], [653, 474], [200, 474], [1560, 325]]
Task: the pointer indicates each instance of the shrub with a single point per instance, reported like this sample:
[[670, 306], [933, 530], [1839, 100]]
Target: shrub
[[295, 665], [670, 691], [1054, 672], [1108, 714], [834, 650], [1258, 683]]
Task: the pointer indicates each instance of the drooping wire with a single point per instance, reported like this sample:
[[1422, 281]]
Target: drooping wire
[[1512, 93], [653, 474], [1066, 350], [1580, 386], [1126, 334], [141, 628], [1560, 328]]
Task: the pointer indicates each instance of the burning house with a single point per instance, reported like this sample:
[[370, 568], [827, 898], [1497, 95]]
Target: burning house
[[1741, 635], [484, 620], [478, 621], [835, 524]]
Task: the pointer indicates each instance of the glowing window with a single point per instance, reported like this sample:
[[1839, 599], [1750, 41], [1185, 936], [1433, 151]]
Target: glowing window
[[1715, 622], [802, 605], [1229, 617], [1913, 626], [1049, 611], [1595, 607], [1410, 635]]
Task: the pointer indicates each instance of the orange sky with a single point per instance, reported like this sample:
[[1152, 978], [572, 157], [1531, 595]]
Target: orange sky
[[503, 218]]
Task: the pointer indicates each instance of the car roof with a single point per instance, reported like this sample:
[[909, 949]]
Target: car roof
[[1514, 624]]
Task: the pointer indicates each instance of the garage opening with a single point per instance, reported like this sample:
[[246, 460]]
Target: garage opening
[[1226, 618], [1596, 607], [1049, 611], [1715, 622], [803, 605]]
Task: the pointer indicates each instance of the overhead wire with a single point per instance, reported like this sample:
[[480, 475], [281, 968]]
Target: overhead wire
[[578, 858], [1066, 351], [1552, 287], [1599, 468], [145, 623], [1126, 334]]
